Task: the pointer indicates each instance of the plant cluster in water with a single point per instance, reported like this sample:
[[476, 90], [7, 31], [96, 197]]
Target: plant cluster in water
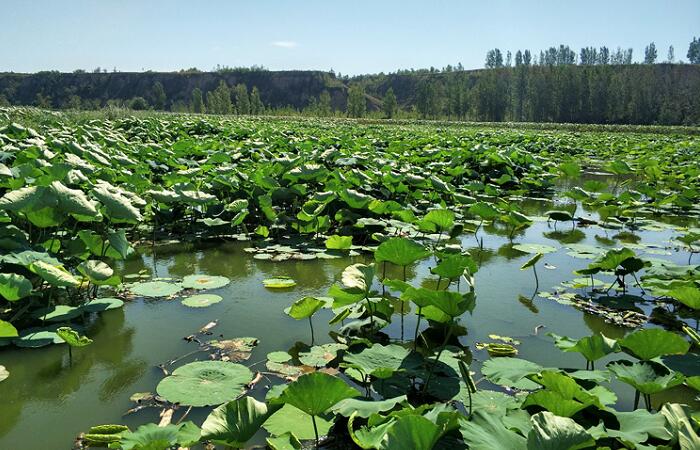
[[77, 196]]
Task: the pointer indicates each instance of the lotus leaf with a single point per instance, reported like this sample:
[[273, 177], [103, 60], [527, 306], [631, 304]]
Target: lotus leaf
[[204, 383]]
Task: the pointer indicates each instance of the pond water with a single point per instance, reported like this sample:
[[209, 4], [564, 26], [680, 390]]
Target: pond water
[[45, 402]]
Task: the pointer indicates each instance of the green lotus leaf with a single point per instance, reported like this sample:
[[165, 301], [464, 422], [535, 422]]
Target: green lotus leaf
[[636, 426], [102, 304], [336, 242], [532, 261], [234, 423], [316, 392], [693, 382], [550, 432], [560, 395], [154, 437], [414, 432], [95, 271], [295, 421], [613, 258], [534, 248], [591, 347], [400, 251], [155, 289], [58, 313], [511, 372], [204, 282], [279, 357], [72, 338], [204, 383], [286, 441], [453, 304], [487, 432], [55, 275], [304, 308], [651, 343], [381, 361], [37, 337], [365, 408], [14, 286], [484, 210], [119, 207], [201, 300], [321, 355], [358, 276], [7, 330], [119, 243], [647, 377], [279, 283], [562, 216], [454, 266], [443, 219], [689, 295]]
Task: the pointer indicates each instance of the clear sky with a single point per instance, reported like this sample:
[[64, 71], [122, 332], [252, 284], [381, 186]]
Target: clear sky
[[352, 37]]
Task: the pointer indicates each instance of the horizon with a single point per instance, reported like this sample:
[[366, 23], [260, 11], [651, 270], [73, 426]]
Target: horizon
[[171, 36]]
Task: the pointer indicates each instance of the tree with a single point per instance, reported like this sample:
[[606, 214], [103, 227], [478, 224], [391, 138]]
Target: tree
[[138, 104], [671, 54], [74, 102], [650, 54], [219, 100], [694, 51], [256, 104], [494, 58], [527, 58], [389, 105], [158, 96], [509, 58], [627, 57], [357, 105], [603, 56], [242, 99], [518, 58], [325, 108], [43, 101], [197, 105]]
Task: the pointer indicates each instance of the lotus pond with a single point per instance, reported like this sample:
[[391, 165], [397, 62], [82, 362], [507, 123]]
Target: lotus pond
[[179, 281]]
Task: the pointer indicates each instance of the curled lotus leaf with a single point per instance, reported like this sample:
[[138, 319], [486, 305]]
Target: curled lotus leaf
[[279, 283]]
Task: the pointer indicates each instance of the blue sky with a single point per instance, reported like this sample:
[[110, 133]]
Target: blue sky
[[351, 37]]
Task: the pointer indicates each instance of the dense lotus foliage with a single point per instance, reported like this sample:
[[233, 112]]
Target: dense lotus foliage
[[79, 195]]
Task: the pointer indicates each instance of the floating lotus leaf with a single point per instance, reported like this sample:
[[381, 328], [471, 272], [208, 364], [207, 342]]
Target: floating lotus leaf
[[279, 283], [37, 337], [155, 289], [204, 383], [204, 282], [534, 248], [201, 300], [279, 357], [58, 313], [234, 423], [102, 304], [235, 350]]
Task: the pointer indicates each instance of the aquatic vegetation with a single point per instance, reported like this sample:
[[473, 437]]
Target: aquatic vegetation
[[403, 206]]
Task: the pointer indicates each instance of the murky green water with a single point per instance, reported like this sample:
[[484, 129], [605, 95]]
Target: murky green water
[[45, 403]]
